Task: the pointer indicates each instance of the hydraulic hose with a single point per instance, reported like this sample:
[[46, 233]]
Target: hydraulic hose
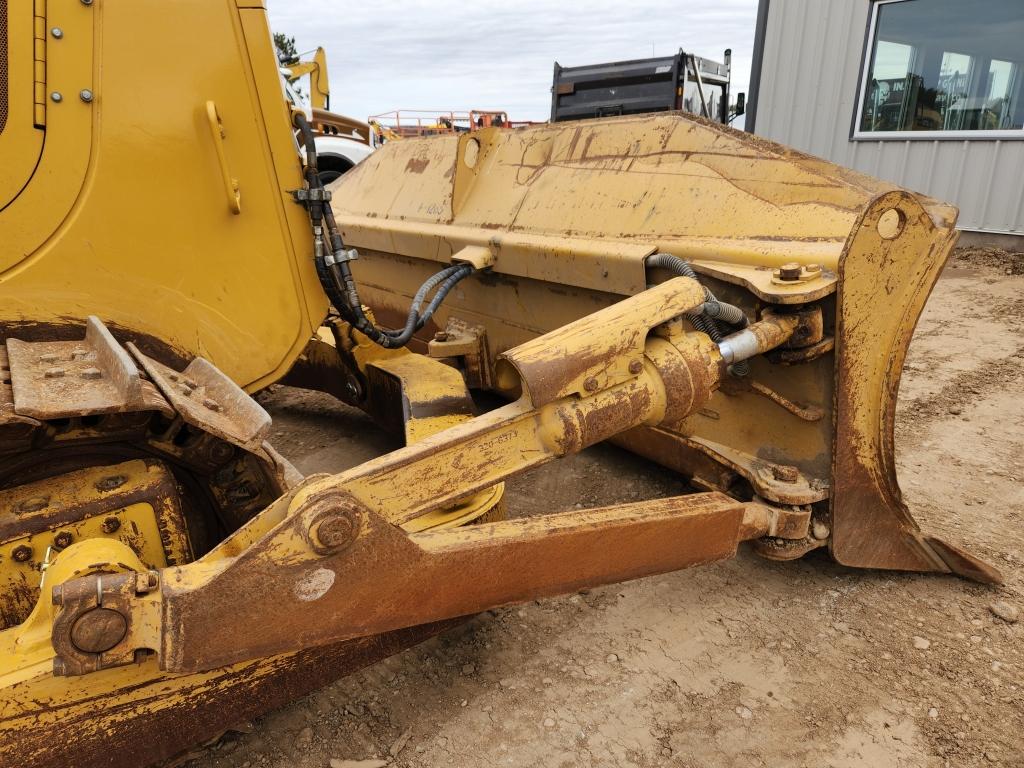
[[331, 260], [706, 318]]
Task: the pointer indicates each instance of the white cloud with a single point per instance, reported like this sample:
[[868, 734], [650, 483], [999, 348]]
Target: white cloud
[[491, 54]]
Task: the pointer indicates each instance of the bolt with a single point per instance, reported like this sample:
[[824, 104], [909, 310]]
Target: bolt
[[34, 504], [819, 530], [57, 32], [635, 366], [185, 390], [49, 358], [335, 532], [21, 553], [56, 96], [191, 383], [86, 2], [172, 376], [789, 272], [62, 540], [785, 473], [99, 630], [352, 389], [79, 354], [85, 95], [111, 482], [53, 373], [213, 405], [91, 373], [590, 384], [441, 336], [813, 268], [111, 524]]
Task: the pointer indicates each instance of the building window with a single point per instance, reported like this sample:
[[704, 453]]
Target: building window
[[943, 68]]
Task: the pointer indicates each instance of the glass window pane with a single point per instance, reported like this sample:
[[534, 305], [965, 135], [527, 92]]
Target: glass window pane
[[945, 65]]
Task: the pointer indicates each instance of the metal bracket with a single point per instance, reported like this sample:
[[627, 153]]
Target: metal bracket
[[338, 257], [97, 625], [307, 195]]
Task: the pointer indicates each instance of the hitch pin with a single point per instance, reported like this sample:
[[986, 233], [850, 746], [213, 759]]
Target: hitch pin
[[43, 566]]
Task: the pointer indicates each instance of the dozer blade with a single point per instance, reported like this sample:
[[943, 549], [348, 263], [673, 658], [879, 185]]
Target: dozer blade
[[571, 213]]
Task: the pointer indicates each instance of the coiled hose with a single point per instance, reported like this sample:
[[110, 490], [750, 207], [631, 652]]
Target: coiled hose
[[331, 260], [706, 318]]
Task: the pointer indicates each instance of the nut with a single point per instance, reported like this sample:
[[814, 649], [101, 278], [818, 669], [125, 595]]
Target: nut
[[789, 273], [62, 540], [111, 524], [785, 473], [21, 553]]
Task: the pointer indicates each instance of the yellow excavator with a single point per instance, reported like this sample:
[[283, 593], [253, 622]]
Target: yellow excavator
[[319, 82], [728, 308]]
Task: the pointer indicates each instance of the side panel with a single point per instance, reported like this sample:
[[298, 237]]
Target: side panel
[[149, 241]]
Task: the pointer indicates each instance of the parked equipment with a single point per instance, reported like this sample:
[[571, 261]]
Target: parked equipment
[[729, 308], [683, 82]]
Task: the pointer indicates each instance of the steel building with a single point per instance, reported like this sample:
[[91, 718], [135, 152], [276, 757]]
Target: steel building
[[925, 93]]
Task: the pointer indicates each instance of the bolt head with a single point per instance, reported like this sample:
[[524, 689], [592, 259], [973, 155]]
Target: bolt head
[[212, 405], [21, 553], [53, 373], [590, 384], [91, 373], [85, 95], [56, 97], [111, 525], [789, 272], [111, 482], [336, 532], [57, 32], [63, 540], [635, 366]]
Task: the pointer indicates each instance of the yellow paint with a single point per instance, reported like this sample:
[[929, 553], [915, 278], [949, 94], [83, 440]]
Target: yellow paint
[[127, 213]]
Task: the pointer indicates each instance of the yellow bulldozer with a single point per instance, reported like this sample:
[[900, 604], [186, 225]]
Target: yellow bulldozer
[[728, 308]]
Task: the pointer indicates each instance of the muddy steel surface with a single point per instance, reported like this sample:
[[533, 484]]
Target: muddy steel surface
[[745, 663]]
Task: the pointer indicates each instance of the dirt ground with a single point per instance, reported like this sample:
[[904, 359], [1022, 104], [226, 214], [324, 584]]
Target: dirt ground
[[745, 663]]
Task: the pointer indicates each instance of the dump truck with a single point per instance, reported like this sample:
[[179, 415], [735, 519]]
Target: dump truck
[[683, 81], [731, 309]]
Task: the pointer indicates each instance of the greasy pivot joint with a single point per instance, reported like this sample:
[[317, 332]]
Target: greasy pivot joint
[[92, 628]]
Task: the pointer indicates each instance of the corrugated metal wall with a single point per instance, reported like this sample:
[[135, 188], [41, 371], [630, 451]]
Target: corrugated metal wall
[[810, 75]]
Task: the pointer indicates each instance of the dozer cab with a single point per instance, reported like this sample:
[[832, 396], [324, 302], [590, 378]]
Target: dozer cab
[[728, 308]]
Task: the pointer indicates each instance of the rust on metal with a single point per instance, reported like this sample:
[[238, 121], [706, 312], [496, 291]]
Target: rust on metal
[[550, 554]]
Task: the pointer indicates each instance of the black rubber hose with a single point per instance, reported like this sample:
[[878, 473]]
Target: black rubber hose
[[336, 278], [706, 318]]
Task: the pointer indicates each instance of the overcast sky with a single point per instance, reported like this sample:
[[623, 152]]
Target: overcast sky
[[495, 54]]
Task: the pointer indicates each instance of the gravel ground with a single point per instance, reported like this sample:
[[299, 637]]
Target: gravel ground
[[744, 663]]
